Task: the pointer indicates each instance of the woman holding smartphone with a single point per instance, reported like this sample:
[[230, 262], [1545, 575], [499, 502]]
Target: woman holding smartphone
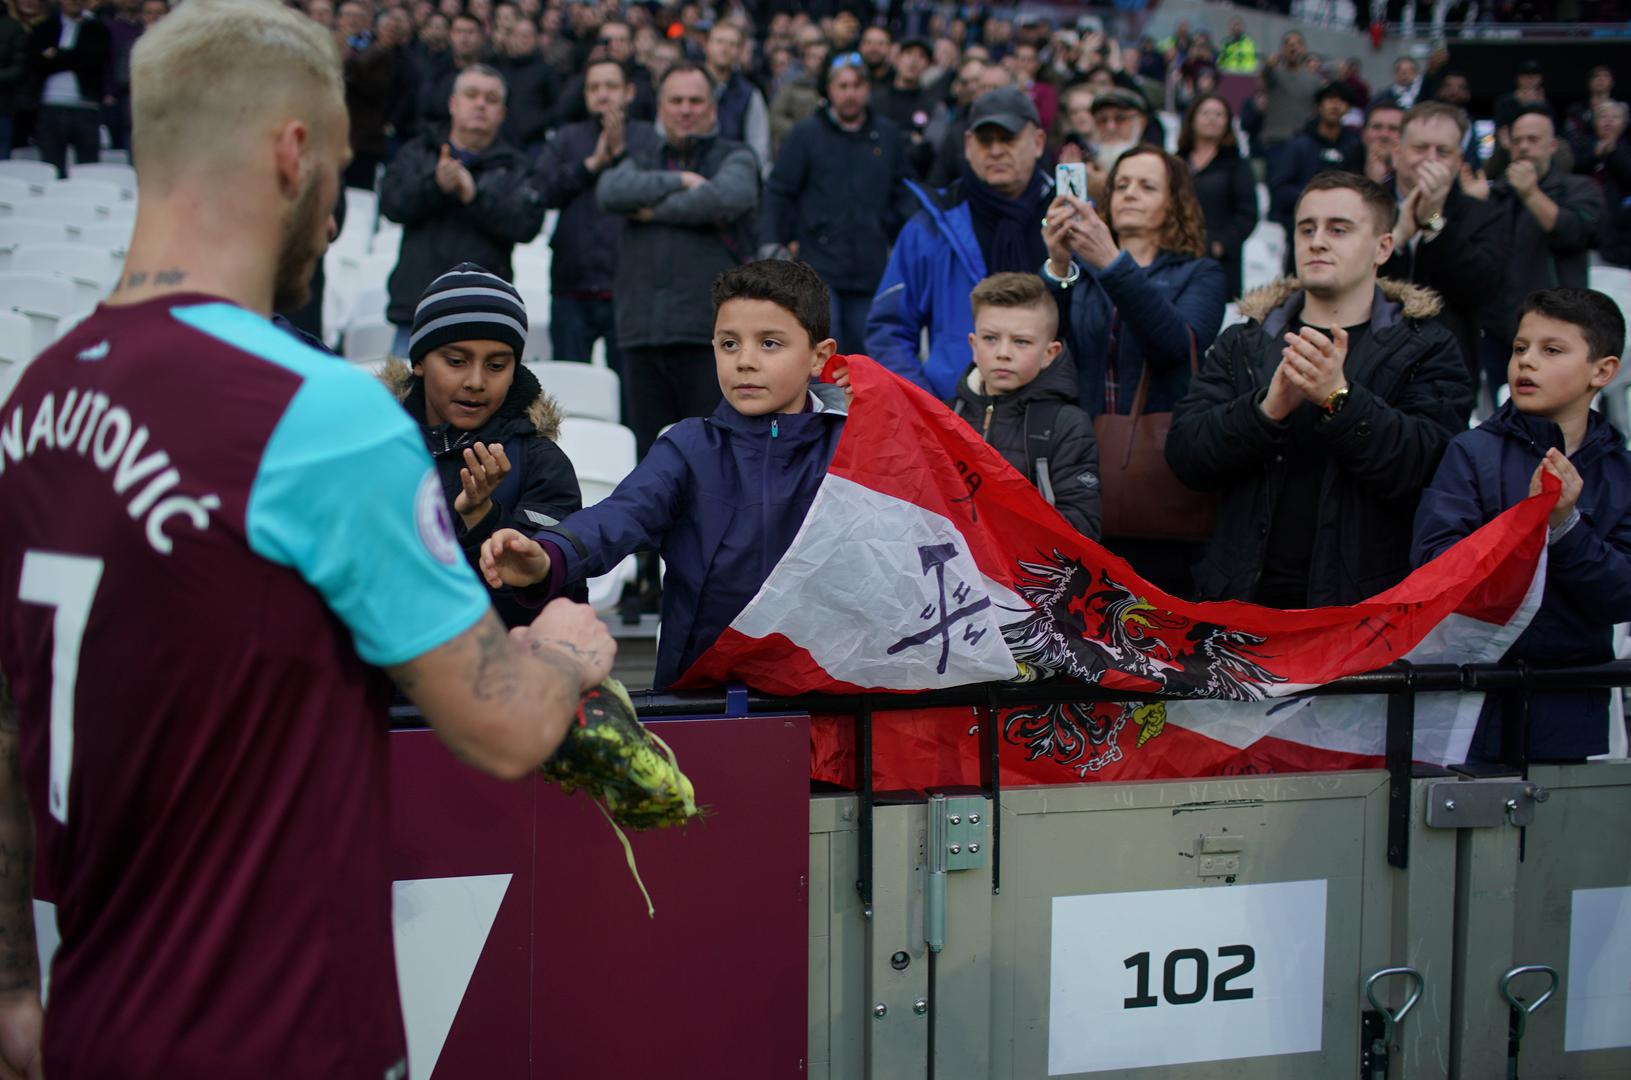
[[1141, 295]]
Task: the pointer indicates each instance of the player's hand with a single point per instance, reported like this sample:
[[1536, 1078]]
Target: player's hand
[[485, 467], [510, 558], [447, 170], [1558, 464], [1523, 178], [1474, 183], [575, 632], [21, 1021], [1314, 363]]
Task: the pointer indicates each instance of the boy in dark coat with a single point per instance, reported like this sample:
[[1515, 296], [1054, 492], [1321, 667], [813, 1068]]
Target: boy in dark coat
[[487, 423], [1023, 403], [722, 496], [1566, 350]]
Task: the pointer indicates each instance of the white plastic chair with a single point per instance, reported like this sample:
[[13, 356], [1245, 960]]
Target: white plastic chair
[[44, 299], [36, 174], [92, 270], [386, 238], [16, 232], [104, 193], [14, 195], [602, 453], [369, 341], [532, 274], [70, 212], [374, 270], [362, 207], [1615, 281], [109, 172], [112, 235], [368, 306], [581, 389], [539, 349]]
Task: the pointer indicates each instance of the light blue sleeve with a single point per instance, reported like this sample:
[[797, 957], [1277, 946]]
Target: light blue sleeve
[[347, 496]]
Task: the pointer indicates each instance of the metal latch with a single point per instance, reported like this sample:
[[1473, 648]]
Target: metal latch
[[956, 832], [1483, 804], [1218, 856], [1380, 1024]]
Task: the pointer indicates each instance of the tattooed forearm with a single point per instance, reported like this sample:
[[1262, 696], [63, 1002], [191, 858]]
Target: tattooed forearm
[[19, 960], [494, 675]]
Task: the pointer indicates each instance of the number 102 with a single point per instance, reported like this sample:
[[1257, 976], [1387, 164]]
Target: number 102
[[1197, 984]]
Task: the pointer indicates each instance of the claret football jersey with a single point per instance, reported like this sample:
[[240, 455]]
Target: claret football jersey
[[215, 537]]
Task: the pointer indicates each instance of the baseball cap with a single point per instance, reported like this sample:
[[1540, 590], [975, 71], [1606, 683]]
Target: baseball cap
[[1119, 97], [1009, 107]]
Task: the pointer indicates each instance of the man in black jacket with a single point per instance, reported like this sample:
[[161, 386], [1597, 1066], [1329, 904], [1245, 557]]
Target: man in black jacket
[[1445, 239], [1320, 421], [586, 237], [1549, 219], [533, 89], [69, 53], [838, 196], [461, 195], [1321, 145]]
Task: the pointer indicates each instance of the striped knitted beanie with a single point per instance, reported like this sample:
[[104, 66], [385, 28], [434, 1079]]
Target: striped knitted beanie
[[468, 304]]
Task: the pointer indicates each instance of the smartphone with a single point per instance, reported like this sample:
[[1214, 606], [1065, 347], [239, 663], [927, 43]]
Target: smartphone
[[1070, 178]]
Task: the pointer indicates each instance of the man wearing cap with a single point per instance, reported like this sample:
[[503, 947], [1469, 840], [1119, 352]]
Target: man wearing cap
[[838, 197], [1121, 120], [1324, 144], [906, 101], [460, 193], [988, 222]]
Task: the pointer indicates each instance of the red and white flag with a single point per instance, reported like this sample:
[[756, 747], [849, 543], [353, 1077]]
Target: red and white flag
[[927, 561]]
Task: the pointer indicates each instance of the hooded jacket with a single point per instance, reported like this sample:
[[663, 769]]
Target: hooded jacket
[[439, 231], [721, 498], [542, 487], [1072, 451], [1409, 394], [1588, 568]]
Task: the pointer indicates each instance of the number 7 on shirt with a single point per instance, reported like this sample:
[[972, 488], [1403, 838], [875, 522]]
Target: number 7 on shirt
[[66, 583]]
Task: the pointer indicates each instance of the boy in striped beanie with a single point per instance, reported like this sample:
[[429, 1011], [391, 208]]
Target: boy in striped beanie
[[486, 421]]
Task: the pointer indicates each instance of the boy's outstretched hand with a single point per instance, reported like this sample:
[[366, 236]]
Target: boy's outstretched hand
[[510, 558], [1558, 464], [485, 467]]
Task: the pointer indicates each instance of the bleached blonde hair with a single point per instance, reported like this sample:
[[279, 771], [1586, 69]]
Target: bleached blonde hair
[[215, 71]]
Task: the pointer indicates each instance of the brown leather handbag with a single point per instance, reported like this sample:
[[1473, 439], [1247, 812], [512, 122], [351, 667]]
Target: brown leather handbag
[[1142, 498]]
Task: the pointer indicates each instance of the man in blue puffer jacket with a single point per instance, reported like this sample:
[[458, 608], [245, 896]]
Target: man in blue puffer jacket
[[1566, 350], [989, 222]]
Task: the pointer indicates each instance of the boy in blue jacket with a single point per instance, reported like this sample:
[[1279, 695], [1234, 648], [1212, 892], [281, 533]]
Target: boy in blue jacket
[[722, 496], [1567, 348]]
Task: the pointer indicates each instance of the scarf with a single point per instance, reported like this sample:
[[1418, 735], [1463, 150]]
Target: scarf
[[1009, 230]]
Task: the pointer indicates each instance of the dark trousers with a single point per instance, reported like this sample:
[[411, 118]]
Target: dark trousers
[[5, 137], [849, 312], [575, 324], [62, 126], [664, 384], [117, 119]]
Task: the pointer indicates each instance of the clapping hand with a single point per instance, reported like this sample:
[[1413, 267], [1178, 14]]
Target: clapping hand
[[1314, 363], [1523, 177], [447, 170], [1474, 184], [485, 467]]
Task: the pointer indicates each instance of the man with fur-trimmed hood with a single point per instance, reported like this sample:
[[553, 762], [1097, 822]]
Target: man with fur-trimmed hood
[[486, 420], [1320, 420]]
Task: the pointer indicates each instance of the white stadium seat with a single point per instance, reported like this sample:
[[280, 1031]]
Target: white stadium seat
[[369, 341], [15, 232], [581, 389], [124, 176], [361, 208], [602, 454], [96, 192], [539, 349], [368, 306], [532, 274], [112, 235], [70, 212], [374, 270], [386, 239], [36, 173], [45, 299], [14, 193], [93, 270]]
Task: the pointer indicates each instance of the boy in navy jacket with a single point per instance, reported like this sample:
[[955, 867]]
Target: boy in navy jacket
[[1567, 348], [722, 496]]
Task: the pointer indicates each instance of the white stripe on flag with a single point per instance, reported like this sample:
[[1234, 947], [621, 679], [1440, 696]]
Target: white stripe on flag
[[853, 586]]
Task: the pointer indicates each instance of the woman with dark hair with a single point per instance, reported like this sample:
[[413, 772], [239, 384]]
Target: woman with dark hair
[[1224, 184], [1142, 297]]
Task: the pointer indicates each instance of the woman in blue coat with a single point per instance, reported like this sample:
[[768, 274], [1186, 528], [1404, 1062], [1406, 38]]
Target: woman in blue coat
[[1140, 294]]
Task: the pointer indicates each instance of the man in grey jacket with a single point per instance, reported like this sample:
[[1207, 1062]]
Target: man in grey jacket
[[690, 204]]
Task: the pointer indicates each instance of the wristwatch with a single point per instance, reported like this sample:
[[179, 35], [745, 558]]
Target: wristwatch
[[1334, 403], [1433, 225]]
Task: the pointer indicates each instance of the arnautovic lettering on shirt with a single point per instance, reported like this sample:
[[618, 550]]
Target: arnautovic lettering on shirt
[[90, 425]]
